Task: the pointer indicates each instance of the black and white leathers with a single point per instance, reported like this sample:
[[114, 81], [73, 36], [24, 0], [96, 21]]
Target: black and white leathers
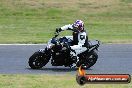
[[79, 39]]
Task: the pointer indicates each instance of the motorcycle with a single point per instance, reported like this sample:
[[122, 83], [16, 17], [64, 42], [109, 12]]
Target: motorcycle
[[58, 51]]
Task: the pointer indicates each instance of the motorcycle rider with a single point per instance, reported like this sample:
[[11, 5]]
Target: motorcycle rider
[[80, 39]]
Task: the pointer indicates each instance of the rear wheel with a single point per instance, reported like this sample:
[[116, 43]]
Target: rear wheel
[[90, 60], [38, 60]]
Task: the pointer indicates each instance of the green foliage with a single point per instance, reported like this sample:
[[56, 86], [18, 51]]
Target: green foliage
[[127, 1]]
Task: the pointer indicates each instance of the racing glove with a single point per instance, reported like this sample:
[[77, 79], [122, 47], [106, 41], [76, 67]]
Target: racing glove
[[58, 30]]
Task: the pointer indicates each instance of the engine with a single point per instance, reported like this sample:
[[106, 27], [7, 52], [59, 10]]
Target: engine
[[60, 56]]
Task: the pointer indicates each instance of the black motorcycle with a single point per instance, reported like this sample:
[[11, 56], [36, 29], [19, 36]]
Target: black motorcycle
[[58, 50]]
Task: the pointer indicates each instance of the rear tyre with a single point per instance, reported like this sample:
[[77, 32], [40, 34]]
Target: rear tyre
[[90, 60], [38, 60]]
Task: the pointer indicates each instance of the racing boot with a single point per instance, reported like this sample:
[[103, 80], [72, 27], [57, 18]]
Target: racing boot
[[74, 58], [75, 61], [73, 65]]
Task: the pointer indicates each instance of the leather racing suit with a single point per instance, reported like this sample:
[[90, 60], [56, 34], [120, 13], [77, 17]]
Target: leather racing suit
[[80, 39]]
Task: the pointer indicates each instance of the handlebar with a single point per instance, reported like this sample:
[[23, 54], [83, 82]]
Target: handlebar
[[54, 39]]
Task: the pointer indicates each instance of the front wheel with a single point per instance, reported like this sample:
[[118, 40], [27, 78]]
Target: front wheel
[[38, 60]]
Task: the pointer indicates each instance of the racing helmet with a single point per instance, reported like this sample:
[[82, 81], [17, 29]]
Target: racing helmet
[[79, 25]]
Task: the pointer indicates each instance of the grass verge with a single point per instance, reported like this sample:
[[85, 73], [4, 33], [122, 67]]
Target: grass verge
[[34, 21], [49, 81]]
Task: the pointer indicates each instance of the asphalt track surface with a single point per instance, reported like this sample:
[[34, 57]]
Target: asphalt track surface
[[113, 58]]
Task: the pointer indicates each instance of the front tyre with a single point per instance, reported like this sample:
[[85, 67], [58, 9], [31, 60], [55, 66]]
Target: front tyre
[[38, 60]]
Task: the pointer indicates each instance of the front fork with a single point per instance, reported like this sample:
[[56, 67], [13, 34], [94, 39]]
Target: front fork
[[46, 52]]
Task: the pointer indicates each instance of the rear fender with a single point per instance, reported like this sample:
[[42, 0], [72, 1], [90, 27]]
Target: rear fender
[[94, 46]]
